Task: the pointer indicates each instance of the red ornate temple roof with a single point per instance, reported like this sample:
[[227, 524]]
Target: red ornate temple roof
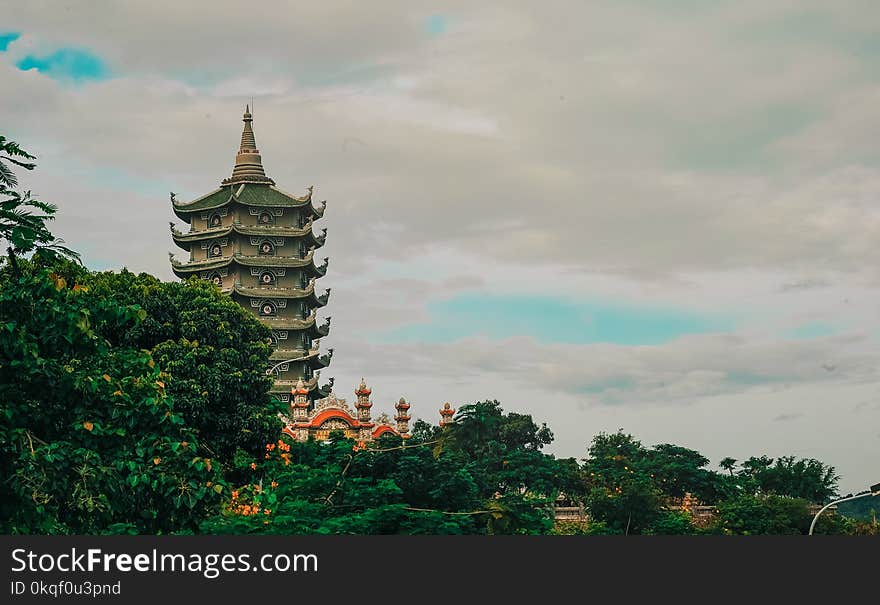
[[332, 414]]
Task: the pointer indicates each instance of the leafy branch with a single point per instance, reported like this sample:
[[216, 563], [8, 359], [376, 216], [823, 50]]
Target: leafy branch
[[22, 218]]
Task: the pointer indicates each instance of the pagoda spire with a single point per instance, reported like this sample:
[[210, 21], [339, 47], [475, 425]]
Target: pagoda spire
[[248, 163]]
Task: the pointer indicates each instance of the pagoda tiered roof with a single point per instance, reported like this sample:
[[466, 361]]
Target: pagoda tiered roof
[[284, 386], [272, 231], [287, 293], [181, 268], [183, 239], [296, 323], [247, 194]]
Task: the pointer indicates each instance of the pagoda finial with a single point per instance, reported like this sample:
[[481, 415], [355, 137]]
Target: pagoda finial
[[362, 389], [402, 417], [363, 405], [446, 413], [248, 163]]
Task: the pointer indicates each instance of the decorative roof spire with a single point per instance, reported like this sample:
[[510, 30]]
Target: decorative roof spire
[[362, 389], [446, 413], [248, 163], [402, 417], [300, 388]]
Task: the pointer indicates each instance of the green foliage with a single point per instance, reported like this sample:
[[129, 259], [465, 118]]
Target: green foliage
[[749, 514], [804, 478], [728, 464], [678, 470], [863, 509], [503, 452], [22, 218], [483, 474], [90, 441], [622, 492], [333, 488], [672, 523], [214, 351]]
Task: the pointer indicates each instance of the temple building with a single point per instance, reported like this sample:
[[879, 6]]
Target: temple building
[[330, 414], [257, 243]]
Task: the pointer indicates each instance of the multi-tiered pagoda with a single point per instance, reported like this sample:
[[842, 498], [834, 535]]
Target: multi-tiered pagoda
[[257, 243]]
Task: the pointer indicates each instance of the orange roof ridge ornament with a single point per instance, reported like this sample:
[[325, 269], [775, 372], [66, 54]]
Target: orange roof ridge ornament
[[446, 414], [248, 162]]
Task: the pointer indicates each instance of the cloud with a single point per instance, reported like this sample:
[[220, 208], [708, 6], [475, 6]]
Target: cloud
[[803, 284], [813, 330], [681, 371], [788, 417]]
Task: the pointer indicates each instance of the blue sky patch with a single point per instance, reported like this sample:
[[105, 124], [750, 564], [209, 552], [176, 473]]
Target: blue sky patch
[[436, 24], [813, 329], [70, 64], [555, 320], [7, 38]]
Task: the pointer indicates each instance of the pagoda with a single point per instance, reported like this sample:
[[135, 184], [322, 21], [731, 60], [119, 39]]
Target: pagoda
[[257, 243]]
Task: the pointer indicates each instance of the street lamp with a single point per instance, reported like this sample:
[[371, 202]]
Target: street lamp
[[874, 490]]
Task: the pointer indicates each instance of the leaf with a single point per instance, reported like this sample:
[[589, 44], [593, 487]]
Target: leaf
[[106, 377], [88, 426], [218, 488]]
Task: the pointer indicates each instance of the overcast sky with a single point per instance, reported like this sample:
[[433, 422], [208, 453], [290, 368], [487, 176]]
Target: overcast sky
[[653, 215]]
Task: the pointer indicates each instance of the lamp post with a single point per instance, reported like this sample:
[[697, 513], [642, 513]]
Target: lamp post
[[873, 491]]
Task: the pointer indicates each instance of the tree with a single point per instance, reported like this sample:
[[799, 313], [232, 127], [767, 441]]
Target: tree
[[672, 523], [22, 218], [678, 470], [749, 514], [214, 352], [804, 478], [89, 439], [622, 493], [728, 464], [460, 479], [337, 487], [503, 451]]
